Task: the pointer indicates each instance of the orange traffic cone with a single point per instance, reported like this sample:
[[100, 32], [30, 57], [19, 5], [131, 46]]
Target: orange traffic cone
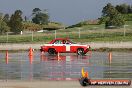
[[7, 57], [84, 74], [30, 55], [110, 57]]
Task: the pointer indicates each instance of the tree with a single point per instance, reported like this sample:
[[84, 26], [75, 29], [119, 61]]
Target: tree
[[36, 11], [116, 21], [15, 22], [109, 10], [6, 18], [130, 9], [113, 17], [3, 26], [123, 8], [40, 17], [103, 19]]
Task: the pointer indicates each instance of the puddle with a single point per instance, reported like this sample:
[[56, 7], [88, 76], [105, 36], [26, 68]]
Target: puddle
[[68, 66]]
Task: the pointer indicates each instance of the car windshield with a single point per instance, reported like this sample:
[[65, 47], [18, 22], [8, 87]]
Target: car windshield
[[65, 41], [58, 42]]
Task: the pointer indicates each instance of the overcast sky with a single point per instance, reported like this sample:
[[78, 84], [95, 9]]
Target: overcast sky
[[65, 11]]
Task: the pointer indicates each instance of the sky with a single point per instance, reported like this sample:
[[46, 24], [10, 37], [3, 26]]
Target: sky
[[67, 12]]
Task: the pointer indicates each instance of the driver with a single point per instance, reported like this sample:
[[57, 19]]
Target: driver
[[64, 41]]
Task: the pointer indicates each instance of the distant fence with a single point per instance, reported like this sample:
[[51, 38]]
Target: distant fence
[[77, 34]]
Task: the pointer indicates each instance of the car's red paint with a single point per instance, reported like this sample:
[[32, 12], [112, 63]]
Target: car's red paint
[[63, 45]]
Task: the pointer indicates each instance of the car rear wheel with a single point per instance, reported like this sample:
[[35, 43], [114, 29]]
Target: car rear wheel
[[80, 51], [41, 50], [51, 51]]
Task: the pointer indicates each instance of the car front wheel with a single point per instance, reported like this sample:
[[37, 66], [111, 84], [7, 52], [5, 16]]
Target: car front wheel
[[80, 51]]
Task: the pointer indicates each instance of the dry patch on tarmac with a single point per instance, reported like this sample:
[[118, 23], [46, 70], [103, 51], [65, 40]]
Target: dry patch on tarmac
[[97, 45]]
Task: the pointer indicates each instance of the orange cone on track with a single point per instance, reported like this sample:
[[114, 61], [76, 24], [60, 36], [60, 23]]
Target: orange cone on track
[[7, 57], [110, 57], [84, 74], [30, 55]]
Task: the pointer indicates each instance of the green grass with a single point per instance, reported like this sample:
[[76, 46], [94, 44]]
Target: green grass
[[88, 33]]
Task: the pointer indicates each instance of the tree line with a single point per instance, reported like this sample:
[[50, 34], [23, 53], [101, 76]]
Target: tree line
[[112, 16], [115, 16], [16, 23], [124, 8]]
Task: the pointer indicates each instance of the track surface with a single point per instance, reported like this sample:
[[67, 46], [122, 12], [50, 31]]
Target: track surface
[[50, 84]]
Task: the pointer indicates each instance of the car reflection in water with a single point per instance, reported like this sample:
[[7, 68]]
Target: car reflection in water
[[63, 57], [62, 66]]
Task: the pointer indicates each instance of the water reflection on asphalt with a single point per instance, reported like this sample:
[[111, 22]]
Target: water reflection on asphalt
[[67, 66]]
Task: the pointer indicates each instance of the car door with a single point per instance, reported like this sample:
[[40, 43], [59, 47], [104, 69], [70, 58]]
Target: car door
[[68, 46], [59, 46]]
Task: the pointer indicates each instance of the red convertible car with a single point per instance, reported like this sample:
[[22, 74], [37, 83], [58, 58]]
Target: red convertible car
[[64, 45]]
